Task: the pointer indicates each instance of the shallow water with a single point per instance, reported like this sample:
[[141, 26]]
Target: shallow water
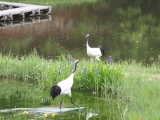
[[38, 113], [24, 97]]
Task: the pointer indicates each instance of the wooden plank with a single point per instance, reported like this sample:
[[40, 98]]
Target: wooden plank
[[24, 22], [22, 9], [20, 4]]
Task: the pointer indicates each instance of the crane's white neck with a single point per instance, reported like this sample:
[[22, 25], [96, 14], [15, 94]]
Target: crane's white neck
[[87, 43], [72, 75]]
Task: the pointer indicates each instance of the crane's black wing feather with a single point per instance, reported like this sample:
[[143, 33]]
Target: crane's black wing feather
[[55, 91], [102, 50]]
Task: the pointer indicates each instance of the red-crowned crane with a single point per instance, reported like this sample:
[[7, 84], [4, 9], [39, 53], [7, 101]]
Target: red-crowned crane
[[94, 52], [64, 87]]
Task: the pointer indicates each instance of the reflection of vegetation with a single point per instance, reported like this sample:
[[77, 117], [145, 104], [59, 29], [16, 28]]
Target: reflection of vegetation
[[19, 46], [19, 91], [125, 29]]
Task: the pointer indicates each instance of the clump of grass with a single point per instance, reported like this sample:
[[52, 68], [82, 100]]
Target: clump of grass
[[96, 76], [99, 76], [89, 76], [28, 67]]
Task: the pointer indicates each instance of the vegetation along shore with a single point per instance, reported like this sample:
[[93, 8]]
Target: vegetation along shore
[[136, 87]]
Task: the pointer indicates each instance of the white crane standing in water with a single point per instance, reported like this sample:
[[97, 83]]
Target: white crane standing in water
[[94, 52], [64, 87]]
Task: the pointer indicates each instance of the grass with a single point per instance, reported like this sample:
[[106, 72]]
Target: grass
[[140, 90], [34, 68], [53, 2], [21, 68], [134, 86]]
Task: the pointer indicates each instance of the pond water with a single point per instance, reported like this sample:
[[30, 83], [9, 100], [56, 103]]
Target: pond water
[[125, 29], [24, 97]]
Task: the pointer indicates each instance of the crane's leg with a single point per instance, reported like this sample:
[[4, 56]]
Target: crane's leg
[[98, 58], [92, 59], [61, 102], [73, 103]]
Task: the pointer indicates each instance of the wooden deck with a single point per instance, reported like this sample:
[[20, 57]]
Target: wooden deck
[[26, 21], [10, 9]]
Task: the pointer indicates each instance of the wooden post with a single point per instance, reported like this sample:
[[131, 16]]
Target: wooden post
[[49, 9], [23, 21], [38, 11], [5, 17], [33, 13], [10, 6], [10, 17], [23, 15], [49, 17]]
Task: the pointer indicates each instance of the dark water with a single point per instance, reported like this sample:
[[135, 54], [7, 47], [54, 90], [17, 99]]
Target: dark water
[[125, 29]]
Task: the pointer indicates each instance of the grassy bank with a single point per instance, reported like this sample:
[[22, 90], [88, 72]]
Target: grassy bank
[[140, 89], [135, 86]]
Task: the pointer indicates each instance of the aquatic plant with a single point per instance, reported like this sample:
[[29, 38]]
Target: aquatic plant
[[25, 112], [110, 59], [45, 115], [53, 114]]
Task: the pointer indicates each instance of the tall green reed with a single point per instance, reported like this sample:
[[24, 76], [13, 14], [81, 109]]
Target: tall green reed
[[23, 68], [96, 76], [89, 76], [139, 92]]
